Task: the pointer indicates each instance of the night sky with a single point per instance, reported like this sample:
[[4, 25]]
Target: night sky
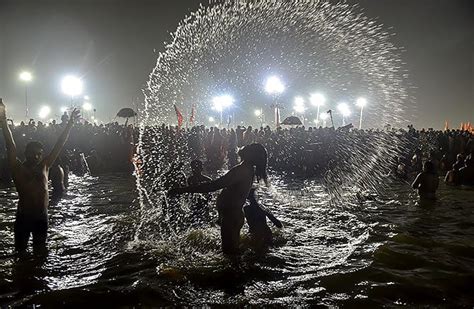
[[113, 45]]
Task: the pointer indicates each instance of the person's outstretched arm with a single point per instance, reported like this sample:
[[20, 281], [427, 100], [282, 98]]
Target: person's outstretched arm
[[272, 218], [220, 183], [49, 160], [417, 182], [7, 134]]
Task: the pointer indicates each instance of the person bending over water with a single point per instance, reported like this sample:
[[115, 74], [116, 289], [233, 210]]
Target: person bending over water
[[236, 185], [31, 182], [256, 217], [427, 181]]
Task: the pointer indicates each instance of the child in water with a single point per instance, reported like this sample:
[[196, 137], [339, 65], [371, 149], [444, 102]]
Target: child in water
[[256, 217]]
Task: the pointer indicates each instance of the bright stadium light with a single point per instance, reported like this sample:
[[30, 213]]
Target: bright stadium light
[[63, 109], [87, 106], [299, 106], [258, 112], [274, 85], [26, 76], [222, 102], [345, 111], [361, 103], [211, 119], [71, 86], [86, 97], [44, 112], [317, 100]]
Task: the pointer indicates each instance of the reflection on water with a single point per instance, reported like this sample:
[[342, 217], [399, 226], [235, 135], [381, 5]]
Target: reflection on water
[[387, 250]]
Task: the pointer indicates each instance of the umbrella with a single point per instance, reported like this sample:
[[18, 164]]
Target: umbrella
[[126, 113], [292, 121]]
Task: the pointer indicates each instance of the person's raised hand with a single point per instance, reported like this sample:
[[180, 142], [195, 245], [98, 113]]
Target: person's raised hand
[[74, 116], [3, 113]]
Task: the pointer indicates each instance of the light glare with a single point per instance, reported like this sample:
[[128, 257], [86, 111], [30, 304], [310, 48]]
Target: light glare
[[44, 112], [71, 86], [361, 102], [317, 99], [87, 106], [274, 85], [26, 76], [344, 109]]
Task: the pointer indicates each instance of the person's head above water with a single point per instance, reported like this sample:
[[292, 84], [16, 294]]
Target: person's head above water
[[256, 154], [34, 153], [429, 167], [196, 166]]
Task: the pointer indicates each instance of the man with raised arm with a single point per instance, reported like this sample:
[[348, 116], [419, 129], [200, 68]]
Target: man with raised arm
[[31, 182]]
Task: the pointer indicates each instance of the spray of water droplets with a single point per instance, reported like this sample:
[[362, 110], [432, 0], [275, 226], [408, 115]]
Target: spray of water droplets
[[233, 46]]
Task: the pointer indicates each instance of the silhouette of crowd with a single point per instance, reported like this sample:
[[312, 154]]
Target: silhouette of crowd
[[303, 151], [91, 148]]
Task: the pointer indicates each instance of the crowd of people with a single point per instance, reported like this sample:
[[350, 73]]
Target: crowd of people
[[91, 148], [105, 148], [81, 147], [311, 151]]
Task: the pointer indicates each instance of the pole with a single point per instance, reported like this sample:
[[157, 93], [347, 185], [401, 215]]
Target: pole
[[317, 117], [360, 122], [26, 101]]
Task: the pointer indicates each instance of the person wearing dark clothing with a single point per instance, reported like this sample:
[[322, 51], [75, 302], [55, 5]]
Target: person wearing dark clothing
[[256, 216], [200, 201]]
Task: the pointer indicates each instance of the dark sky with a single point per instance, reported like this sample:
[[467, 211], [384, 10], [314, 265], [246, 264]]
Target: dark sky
[[113, 45]]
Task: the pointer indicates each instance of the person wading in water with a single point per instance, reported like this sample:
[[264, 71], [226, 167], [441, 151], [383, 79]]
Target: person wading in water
[[236, 185], [31, 182]]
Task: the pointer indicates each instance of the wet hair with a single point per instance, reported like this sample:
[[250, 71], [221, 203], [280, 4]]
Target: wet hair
[[33, 146], [257, 155], [252, 194], [429, 167]]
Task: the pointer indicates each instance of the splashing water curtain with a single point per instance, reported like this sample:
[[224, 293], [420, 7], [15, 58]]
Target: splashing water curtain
[[234, 46]]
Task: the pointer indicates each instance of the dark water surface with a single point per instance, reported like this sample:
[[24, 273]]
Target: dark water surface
[[385, 251]]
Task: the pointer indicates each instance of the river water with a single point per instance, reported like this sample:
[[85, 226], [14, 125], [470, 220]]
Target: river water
[[383, 251]]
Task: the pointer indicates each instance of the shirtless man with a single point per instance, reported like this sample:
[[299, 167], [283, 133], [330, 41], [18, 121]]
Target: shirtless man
[[236, 185], [31, 181], [427, 181]]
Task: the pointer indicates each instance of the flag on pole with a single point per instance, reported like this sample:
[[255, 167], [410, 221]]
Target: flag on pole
[[179, 115]]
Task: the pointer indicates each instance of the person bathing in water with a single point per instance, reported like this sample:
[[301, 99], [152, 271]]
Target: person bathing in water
[[256, 216], [427, 181], [236, 185], [31, 182]]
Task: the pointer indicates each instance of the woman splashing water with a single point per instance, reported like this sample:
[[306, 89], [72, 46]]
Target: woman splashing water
[[236, 185]]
